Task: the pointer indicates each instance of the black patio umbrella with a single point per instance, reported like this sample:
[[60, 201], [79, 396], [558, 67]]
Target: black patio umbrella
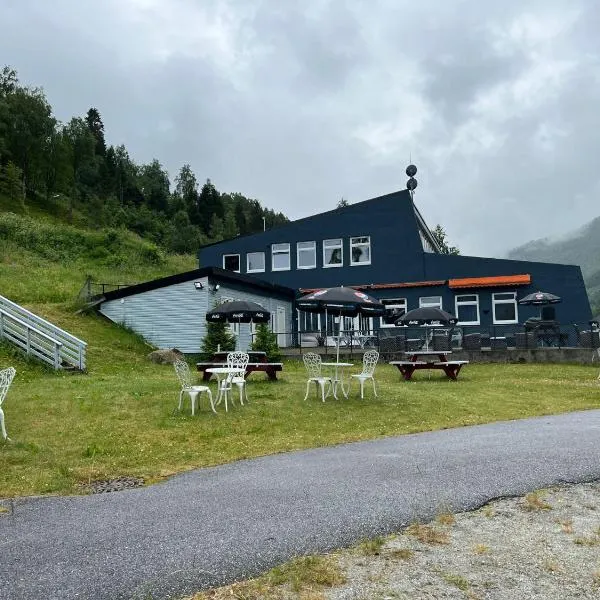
[[341, 301], [540, 299], [238, 311], [427, 315]]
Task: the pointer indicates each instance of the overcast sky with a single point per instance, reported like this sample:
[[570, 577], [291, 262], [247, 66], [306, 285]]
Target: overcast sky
[[300, 103]]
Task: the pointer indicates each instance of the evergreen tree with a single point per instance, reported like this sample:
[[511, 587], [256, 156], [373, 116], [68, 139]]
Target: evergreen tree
[[218, 337], [266, 341], [343, 202], [230, 229], [440, 237], [209, 205], [96, 127], [186, 186]]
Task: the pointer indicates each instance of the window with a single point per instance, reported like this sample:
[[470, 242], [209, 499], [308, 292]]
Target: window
[[233, 327], [280, 257], [504, 306], [467, 309], [309, 322], [430, 301], [394, 308], [360, 250], [255, 262], [306, 255], [333, 253], [231, 262]]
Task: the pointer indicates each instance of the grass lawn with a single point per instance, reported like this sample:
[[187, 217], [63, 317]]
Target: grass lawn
[[120, 418]]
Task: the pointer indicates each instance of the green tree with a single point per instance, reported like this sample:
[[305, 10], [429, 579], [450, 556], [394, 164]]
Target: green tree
[[343, 202], [440, 237], [186, 187], [216, 231], [218, 337], [11, 183], [230, 229], [266, 341], [155, 186], [96, 127], [209, 205]]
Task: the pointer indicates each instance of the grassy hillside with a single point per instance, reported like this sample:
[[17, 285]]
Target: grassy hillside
[[581, 247], [47, 261]]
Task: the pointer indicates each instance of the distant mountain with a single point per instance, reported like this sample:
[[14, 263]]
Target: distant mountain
[[580, 247]]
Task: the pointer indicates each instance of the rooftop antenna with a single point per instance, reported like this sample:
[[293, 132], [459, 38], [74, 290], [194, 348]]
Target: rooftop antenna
[[411, 184]]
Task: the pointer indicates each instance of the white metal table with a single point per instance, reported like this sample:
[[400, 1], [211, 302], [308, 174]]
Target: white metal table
[[338, 377], [218, 371]]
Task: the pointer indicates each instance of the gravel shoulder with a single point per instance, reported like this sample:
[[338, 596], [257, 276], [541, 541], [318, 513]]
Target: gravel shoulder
[[542, 546]]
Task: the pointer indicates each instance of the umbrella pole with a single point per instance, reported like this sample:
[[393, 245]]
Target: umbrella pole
[[337, 359]]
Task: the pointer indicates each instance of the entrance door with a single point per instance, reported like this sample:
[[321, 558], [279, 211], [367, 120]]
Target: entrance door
[[280, 326]]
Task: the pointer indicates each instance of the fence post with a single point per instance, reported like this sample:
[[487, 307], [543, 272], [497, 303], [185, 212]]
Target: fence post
[[56, 356], [28, 339]]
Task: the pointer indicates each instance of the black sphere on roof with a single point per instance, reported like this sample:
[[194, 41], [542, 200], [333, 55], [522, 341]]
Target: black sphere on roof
[[411, 184], [411, 170]]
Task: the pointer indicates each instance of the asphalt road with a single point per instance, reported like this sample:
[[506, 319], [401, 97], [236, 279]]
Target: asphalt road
[[212, 526]]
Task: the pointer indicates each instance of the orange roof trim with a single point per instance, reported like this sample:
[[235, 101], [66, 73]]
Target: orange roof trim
[[479, 282]]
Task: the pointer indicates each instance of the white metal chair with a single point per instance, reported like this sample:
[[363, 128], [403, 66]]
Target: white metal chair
[[370, 360], [312, 362], [6, 377], [237, 362], [185, 378]]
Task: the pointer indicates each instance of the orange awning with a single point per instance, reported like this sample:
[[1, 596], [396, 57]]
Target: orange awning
[[479, 282]]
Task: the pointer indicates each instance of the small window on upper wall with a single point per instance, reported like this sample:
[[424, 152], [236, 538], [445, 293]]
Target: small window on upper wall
[[231, 262], [280, 257], [333, 253], [255, 262], [360, 250], [306, 255]]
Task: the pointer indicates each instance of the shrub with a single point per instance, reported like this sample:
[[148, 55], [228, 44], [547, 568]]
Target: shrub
[[218, 336], [266, 341]]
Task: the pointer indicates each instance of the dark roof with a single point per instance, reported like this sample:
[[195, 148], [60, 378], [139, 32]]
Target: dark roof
[[214, 272], [349, 207]]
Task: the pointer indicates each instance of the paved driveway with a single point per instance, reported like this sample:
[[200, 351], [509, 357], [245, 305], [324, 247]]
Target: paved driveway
[[211, 526]]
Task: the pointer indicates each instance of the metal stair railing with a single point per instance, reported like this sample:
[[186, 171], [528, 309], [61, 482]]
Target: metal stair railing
[[40, 338]]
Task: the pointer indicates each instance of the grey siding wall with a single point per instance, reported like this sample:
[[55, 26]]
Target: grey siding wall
[[271, 304], [175, 316]]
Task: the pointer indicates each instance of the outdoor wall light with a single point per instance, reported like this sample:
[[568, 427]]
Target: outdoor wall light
[[198, 285]]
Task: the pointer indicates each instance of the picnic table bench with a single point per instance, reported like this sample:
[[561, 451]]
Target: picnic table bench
[[450, 367], [271, 369]]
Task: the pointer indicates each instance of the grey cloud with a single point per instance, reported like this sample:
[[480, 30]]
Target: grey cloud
[[279, 120]]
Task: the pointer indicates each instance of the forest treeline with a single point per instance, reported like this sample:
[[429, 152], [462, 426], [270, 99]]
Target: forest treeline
[[47, 162]]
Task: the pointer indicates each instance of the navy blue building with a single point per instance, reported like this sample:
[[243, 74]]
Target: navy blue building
[[384, 247]]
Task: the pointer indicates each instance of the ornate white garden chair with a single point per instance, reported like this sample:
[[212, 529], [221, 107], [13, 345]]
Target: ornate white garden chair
[[6, 377], [237, 362], [370, 360], [187, 387], [312, 362]]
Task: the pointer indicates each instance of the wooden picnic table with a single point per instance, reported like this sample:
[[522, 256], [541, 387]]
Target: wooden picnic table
[[271, 369], [418, 360]]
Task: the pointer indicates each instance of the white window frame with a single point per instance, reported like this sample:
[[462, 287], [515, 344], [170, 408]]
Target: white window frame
[[340, 246], [248, 269], [306, 250], [239, 262], [398, 303], [274, 252], [458, 302], [360, 244], [512, 301], [423, 304]]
